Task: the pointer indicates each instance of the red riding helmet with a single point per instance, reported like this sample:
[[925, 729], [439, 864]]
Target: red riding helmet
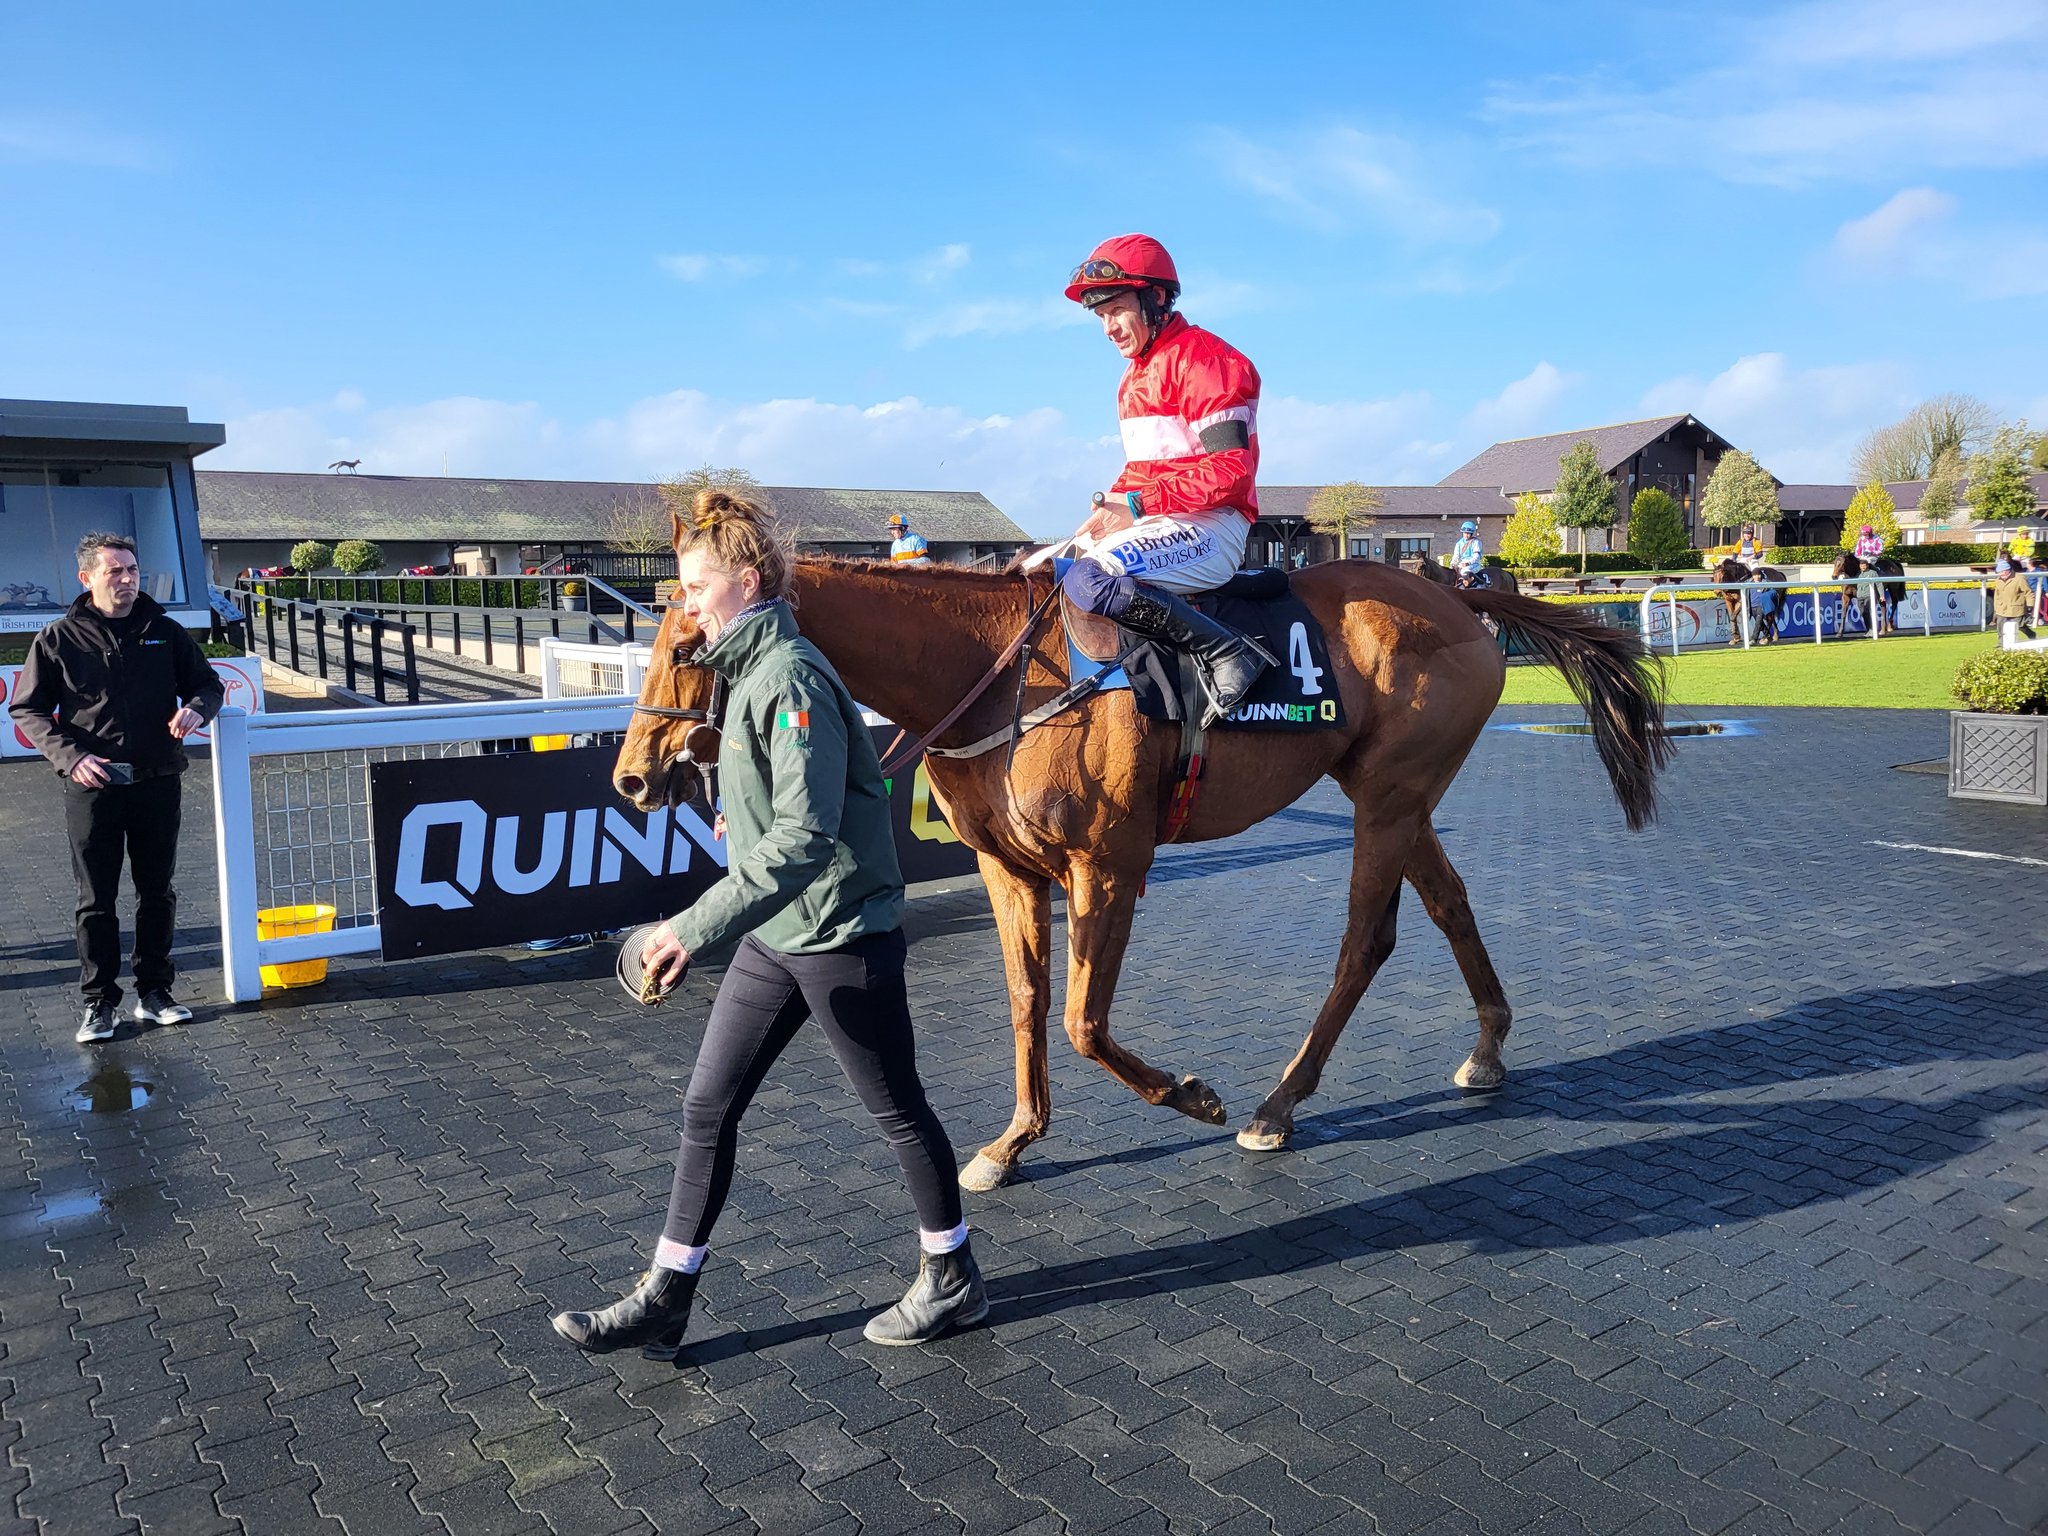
[[1123, 261]]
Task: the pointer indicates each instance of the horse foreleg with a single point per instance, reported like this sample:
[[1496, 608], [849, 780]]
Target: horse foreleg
[[1376, 864], [1443, 897], [1100, 904], [1023, 909]]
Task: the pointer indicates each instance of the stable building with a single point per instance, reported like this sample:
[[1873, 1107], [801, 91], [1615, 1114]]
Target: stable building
[[1677, 454], [250, 520], [1410, 521]]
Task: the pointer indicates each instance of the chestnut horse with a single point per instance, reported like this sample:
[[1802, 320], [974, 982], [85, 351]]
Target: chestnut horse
[[1083, 803], [1765, 604]]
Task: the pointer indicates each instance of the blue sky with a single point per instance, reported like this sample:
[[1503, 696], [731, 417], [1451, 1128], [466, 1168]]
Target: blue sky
[[826, 243]]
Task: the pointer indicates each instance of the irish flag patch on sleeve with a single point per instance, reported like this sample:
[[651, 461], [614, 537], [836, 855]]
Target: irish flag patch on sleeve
[[792, 720]]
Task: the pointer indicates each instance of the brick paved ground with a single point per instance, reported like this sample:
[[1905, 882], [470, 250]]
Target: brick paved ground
[[1755, 1240]]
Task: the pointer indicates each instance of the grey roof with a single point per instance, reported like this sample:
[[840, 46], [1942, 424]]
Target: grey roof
[[1815, 498], [79, 421], [253, 504], [1530, 463], [1459, 501]]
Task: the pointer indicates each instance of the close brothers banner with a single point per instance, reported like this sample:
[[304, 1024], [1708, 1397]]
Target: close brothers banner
[[477, 852]]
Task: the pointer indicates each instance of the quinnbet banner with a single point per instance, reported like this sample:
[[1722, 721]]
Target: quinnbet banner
[[478, 852]]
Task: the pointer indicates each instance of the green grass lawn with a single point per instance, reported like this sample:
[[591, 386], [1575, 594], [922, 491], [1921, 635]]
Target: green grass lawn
[[1903, 672]]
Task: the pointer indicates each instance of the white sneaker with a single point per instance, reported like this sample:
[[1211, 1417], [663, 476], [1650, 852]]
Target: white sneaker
[[99, 1024], [159, 1008]]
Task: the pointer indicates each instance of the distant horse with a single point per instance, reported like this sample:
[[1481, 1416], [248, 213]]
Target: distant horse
[[1491, 578], [1765, 603], [1891, 594]]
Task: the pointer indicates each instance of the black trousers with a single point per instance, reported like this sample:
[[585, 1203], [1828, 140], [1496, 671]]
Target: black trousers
[[140, 820], [857, 993]]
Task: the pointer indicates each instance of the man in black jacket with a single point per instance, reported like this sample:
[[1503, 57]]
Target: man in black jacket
[[109, 693]]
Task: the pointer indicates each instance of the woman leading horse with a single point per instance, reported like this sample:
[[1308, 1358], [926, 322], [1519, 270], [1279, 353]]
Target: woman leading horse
[[1084, 802]]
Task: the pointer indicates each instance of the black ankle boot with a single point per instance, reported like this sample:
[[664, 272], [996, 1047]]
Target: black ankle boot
[[946, 1294], [1229, 662], [653, 1316]]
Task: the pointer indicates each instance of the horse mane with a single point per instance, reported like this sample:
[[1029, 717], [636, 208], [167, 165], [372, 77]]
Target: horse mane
[[942, 575]]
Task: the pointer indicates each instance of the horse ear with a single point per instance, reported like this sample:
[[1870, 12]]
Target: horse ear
[[675, 529]]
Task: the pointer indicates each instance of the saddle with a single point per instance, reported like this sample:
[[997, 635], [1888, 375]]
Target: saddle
[[1299, 694]]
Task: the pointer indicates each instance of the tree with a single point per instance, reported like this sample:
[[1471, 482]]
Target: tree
[[2041, 451], [352, 557], [1873, 504], [678, 493], [310, 555], [1656, 531], [1530, 537], [1343, 509], [1944, 491], [638, 523], [1999, 488], [1911, 447], [1741, 491], [1584, 497]]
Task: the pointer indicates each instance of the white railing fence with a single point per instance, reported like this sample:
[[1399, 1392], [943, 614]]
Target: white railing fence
[[575, 669], [1870, 596], [291, 809]]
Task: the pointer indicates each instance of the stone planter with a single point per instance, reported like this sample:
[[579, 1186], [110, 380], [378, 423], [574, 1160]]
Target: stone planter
[[1998, 757]]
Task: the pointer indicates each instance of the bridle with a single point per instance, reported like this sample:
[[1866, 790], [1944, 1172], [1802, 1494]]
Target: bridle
[[701, 741]]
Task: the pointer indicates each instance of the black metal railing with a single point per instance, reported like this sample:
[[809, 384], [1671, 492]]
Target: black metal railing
[[525, 604], [364, 639]]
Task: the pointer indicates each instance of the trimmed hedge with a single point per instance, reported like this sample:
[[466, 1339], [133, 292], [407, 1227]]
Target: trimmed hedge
[[1911, 554], [2004, 683]]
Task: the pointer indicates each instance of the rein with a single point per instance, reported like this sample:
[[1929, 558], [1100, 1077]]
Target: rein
[[899, 759]]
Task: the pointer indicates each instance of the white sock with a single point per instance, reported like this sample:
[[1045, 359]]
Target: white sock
[[942, 1242], [670, 1254]]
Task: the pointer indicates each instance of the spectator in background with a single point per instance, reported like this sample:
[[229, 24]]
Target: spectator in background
[[2012, 601], [108, 694]]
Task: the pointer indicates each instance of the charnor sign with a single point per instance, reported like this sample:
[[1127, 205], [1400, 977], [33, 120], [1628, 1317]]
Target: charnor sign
[[476, 852]]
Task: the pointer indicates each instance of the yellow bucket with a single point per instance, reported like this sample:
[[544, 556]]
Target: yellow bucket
[[282, 923], [550, 743]]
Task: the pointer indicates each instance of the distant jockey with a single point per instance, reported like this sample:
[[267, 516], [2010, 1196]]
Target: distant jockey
[[1177, 519], [1468, 555], [1748, 552], [906, 548], [1868, 545]]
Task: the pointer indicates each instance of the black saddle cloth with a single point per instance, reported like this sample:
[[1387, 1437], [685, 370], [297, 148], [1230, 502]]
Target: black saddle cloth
[[1298, 694]]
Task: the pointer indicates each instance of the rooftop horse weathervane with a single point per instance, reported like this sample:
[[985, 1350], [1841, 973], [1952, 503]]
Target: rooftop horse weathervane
[[348, 464], [1084, 802]]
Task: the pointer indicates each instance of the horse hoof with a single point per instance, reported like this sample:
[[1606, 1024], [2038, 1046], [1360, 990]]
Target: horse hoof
[[984, 1173], [1476, 1078], [1263, 1136], [1197, 1100]]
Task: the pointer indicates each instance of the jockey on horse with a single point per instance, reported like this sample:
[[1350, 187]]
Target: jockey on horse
[[905, 547], [1468, 556], [1177, 518]]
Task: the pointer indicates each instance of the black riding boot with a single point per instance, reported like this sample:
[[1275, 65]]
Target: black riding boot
[[946, 1294], [1229, 662], [653, 1316]]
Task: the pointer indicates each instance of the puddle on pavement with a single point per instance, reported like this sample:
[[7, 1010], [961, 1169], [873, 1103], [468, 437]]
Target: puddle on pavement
[[55, 1211], [1685, 728], [111, 1090]]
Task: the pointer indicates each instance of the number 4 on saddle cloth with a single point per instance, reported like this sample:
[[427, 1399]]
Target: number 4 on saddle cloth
[[1299, 694]]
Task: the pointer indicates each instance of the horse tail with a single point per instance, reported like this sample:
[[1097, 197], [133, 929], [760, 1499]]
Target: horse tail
[[1620, 685]]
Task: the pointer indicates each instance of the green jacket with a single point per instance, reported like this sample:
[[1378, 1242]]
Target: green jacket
[[811, 855]]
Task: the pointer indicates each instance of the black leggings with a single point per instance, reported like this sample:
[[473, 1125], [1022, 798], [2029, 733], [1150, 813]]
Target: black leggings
[[858, 994]]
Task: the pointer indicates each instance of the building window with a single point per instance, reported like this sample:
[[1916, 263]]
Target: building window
[[1406, 549], [46, 507], [1361, 549]]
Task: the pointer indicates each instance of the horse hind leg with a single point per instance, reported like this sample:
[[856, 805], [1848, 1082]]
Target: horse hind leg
[[1376, 863], [1443, 897]]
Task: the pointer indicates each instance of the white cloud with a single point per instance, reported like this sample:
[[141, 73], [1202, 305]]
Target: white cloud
[[1880, 233], [941, 264], [1333, 176], [697, 266], [991, 317], [1914, 236], [74, 143], [1382, 442], [1524, 407], [1802, 424], [1821, 90]]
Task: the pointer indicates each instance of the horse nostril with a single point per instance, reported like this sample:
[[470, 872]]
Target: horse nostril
[[631, 785]]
